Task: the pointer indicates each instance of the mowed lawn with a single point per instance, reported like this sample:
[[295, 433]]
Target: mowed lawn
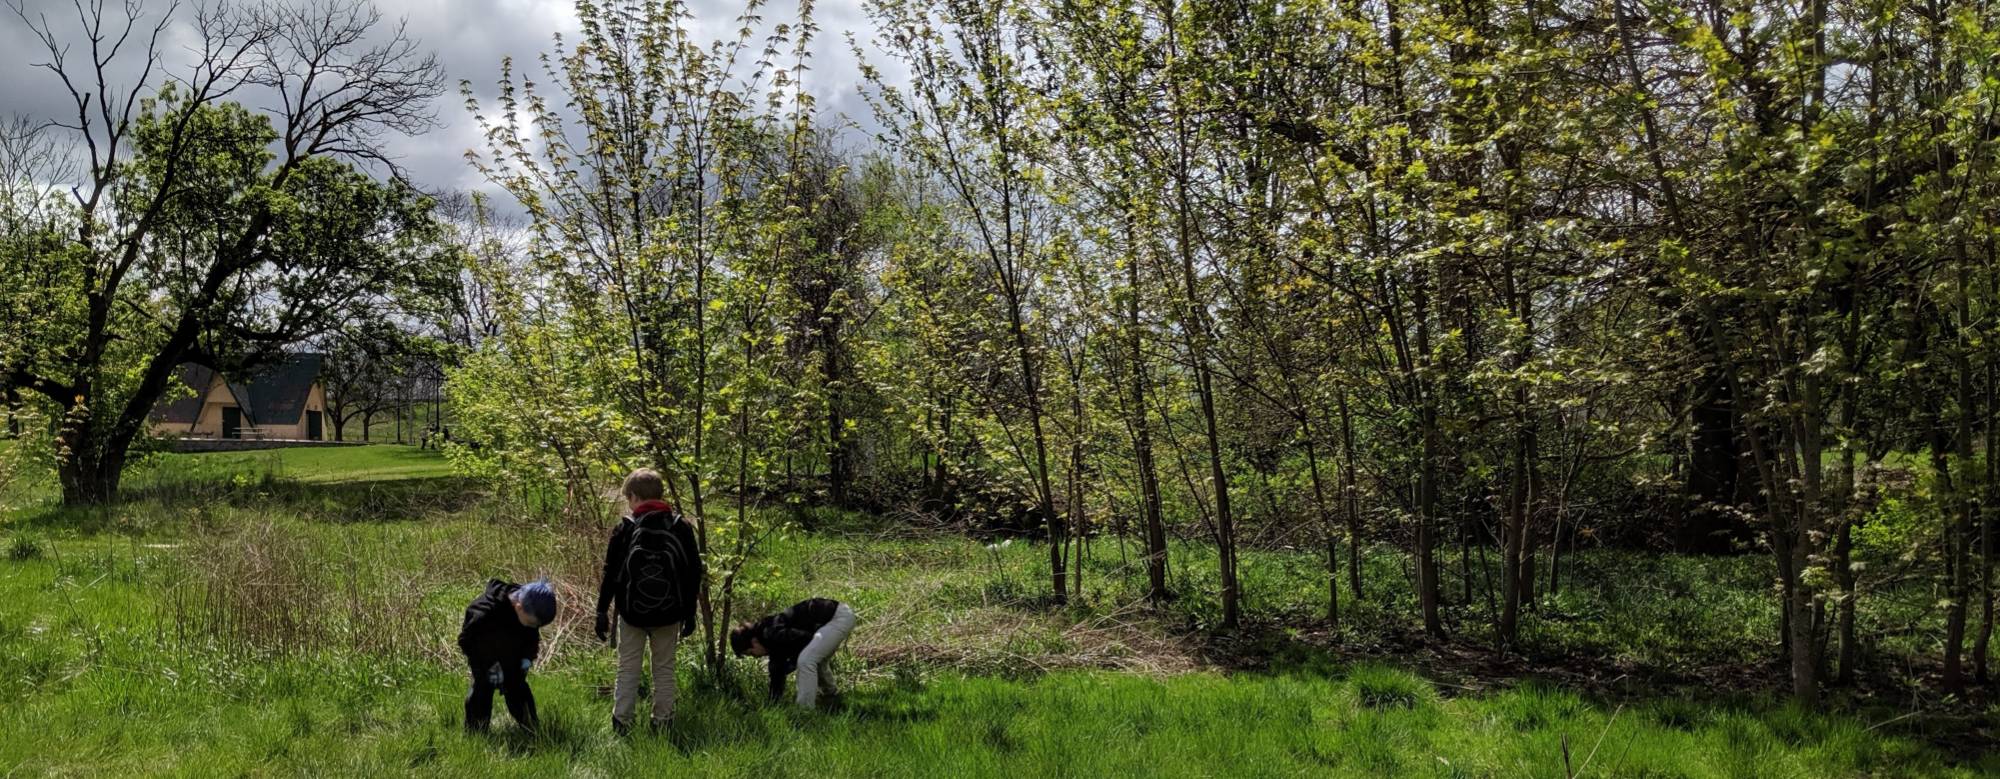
[[328, 464], [292, 613]]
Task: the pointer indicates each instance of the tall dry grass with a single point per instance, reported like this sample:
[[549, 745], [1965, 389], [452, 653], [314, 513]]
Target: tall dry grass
[[263, 588]]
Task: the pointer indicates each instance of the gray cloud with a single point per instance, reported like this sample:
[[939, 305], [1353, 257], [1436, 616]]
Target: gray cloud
[[471, 38]]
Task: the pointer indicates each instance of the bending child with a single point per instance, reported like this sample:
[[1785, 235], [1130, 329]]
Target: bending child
[[501, 637], [652, 575], [802, 637]]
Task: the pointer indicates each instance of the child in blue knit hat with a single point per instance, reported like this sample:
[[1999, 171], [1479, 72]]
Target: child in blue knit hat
[[501, 637]]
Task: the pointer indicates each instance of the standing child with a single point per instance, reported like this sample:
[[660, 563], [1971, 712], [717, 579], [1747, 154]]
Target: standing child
[[652, 575], [802, 637], [501, 637]]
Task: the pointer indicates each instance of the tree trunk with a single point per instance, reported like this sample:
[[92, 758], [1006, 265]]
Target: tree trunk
[[1807, 646], [1982, 641], [1516, 577], [1327, 527], [89, 475], [697, 492], [940, 468], [1149, 498], [1849, 505], [1713, 464], [1350, 498], [1954, 642], [1044, 491], [1427, 572], [1142, 438], [98, 441], [1788, 457], [1225, 528], [1464, 525], [1990, 506], [1427, 477], [1804, 644], [839, 454], [1843, 567], [1959, 534], [1556, 550], [1080, 518]]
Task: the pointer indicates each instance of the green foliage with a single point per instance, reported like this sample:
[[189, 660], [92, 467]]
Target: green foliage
[[1900, 529], [22, 548]]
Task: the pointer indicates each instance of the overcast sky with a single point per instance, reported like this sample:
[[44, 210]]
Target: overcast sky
[[470, 37]]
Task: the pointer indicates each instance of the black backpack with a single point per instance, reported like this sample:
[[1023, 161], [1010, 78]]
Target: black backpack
[[656, 565]]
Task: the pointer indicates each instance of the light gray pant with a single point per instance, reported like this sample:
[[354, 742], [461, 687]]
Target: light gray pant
[[814, 657], [632, 643]]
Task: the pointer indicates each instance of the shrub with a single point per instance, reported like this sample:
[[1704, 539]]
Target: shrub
[[24, 548], [1385, 688]]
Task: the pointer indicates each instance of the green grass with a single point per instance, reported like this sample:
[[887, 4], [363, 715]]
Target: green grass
[[292, 614], [207, 475], [328, 718], [330, 464]]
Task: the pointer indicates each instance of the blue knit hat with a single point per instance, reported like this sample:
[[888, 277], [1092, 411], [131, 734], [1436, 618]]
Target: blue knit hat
[[538, 598]]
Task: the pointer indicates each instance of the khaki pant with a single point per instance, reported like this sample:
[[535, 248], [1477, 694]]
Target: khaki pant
[[632, 643]]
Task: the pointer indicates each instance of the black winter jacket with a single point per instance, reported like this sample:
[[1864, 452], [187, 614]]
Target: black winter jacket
[[493, 633], [611, 589], [786, 634]]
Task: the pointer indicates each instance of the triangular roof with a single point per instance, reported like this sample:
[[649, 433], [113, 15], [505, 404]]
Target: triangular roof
[[277, 395], [274, 396], [186, 407]]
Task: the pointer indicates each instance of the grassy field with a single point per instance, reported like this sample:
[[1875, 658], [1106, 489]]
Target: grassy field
[[342, 464], [292, 613]]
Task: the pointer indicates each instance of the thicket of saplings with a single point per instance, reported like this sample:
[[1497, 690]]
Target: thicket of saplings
[[1482, 284]]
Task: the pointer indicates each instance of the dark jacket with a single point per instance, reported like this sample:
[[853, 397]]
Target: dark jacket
[[611, 590], [786, 634], [493, 633]]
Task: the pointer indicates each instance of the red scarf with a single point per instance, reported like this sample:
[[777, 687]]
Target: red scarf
[[650, 506]]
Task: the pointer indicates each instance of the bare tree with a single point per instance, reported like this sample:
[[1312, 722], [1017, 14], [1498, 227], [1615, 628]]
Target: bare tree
[[231, 292]]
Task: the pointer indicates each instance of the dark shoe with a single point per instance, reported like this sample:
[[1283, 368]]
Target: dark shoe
[[662, 726], [622, 730]]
